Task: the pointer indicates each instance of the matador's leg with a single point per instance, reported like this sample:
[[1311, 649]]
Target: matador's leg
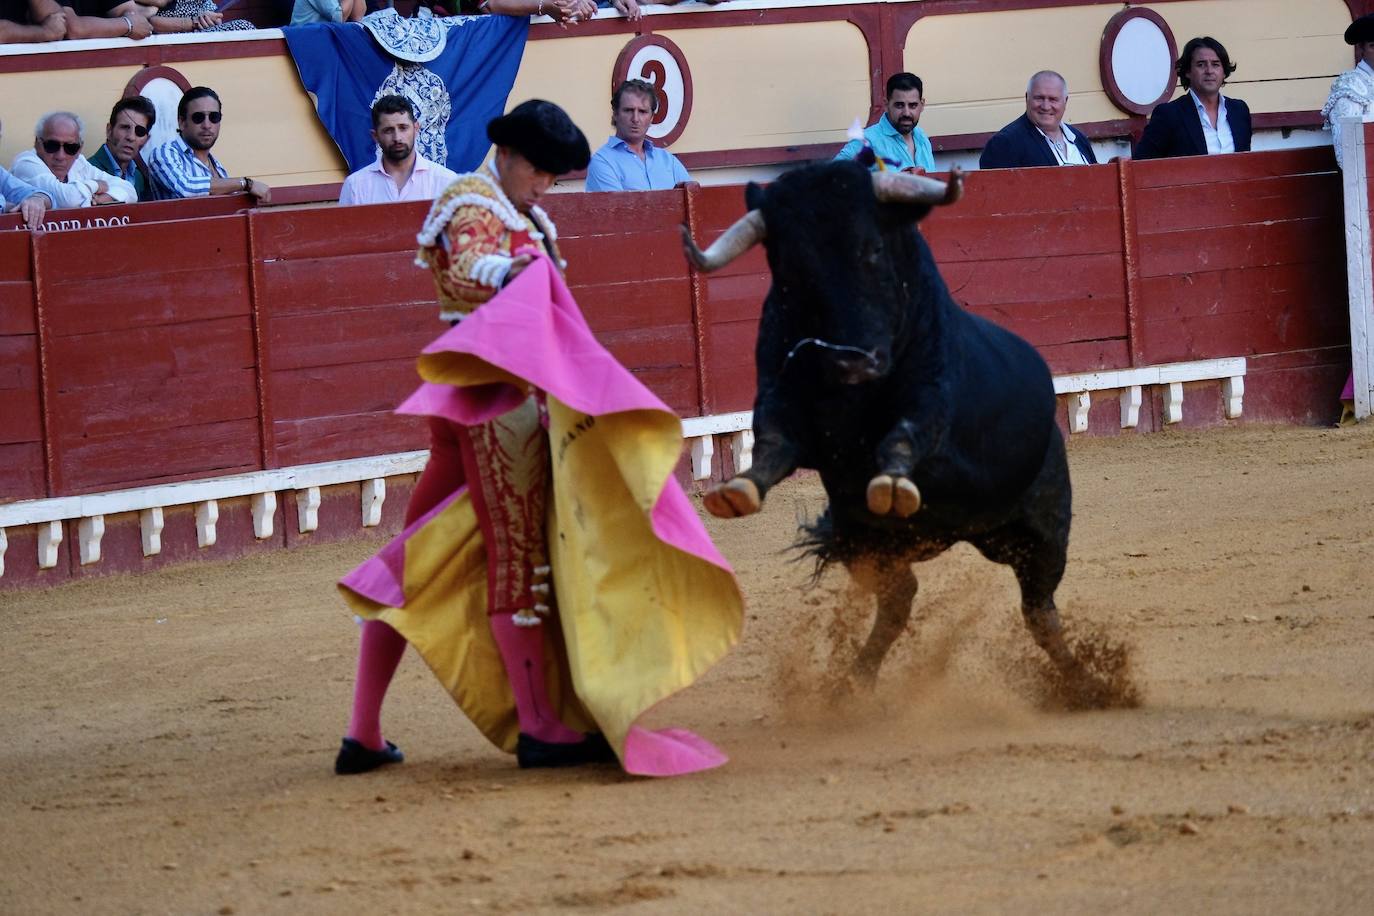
[[507, 461]]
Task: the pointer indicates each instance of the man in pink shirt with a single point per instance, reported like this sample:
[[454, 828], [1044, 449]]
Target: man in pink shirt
[[400, 173]]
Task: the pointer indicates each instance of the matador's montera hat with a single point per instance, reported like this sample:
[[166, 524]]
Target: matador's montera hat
[[1361, 29], [544, 134]]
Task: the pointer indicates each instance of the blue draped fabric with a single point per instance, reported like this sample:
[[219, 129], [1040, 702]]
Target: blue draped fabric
[[456, 91]]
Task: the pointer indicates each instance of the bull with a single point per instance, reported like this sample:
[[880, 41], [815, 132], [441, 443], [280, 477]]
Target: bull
[[929, 425]]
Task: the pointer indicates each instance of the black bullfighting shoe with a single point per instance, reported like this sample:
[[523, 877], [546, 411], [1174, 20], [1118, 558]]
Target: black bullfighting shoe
[[531, 752], [355, 757]]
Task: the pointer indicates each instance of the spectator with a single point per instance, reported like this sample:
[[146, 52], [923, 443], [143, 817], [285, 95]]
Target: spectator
[[306, 12], [1201, 122], [31, 202], [563, 12], [192, 16], [1040, 136], [400, 173], [630, 161], [106, 19], [895, 137], [140, 18], [55, 166], [1352, 94], [184, 165], [126, 134], [27, 21]]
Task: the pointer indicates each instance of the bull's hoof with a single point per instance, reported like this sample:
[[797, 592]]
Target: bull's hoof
[[888, 495], [737, 496]]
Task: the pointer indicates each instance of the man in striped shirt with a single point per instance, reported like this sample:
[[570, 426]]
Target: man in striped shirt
[[184, 165]]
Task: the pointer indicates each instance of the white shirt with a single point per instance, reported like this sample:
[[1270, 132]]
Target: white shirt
[[1071, 155], [372, 185], [1219, 139], [80, 185]]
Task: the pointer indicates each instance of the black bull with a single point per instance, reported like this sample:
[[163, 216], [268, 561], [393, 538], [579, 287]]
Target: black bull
[[929, 425]]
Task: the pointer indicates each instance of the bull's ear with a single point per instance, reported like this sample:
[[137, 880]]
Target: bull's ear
[[753, 196]]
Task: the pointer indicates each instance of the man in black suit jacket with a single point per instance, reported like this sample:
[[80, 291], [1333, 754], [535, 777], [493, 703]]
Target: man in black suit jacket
[[1176, 128], [1040, 136]]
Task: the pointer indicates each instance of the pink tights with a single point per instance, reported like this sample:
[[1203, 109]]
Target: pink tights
[[522, 648]]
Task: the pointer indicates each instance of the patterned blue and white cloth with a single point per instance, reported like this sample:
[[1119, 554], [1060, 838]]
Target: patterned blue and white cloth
[[457, 71]]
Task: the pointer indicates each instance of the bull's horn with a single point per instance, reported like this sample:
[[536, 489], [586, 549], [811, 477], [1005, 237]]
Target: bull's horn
[[898, 188], [747, 232]]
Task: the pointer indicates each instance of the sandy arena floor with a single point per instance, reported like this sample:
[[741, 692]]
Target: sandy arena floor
[[170, 737]]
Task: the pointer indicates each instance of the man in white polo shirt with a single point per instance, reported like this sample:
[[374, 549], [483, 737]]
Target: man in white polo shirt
[[400, 173]]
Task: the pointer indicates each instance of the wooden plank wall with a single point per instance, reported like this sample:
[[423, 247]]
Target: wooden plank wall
[[184, 349], [626, 269], [1245, 256], [1235, 251], [148, 340], [21, 422], [1039, 251], [731, 303], [343, 313]]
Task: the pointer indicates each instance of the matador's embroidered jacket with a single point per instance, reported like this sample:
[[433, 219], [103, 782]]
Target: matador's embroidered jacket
[[470, 238]]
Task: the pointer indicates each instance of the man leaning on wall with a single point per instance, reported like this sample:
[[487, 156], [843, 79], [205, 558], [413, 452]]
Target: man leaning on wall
[[56, 166], [28, 21], [126, 133], [1040, 136], [896, 137], [629, 160], [1202, 121], [184, 166]]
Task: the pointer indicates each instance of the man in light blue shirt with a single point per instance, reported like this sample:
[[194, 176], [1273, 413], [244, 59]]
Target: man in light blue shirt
[[895, 138], [630, 161]]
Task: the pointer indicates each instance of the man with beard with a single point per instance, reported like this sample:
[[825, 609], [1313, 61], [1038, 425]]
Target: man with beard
[[126, 134], [400, 173], [895, 138], [1201, 122], [56, 167], [630, 161], [1040, 136], [184, 166]]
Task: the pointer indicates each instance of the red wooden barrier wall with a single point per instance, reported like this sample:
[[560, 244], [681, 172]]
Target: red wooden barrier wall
[[626, 268], [1245, 256], [1040, 252], [148, 350], [343, 311], [21, 422], [193, 348]]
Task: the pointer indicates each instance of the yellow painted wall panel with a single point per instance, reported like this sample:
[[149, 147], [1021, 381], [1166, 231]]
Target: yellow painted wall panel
[[754, 86], [976, 65], [774, 85]]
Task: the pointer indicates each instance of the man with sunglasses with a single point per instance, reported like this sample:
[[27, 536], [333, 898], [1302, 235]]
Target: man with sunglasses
[[31, 202], [56, 167], [184, 165], [126, 133]]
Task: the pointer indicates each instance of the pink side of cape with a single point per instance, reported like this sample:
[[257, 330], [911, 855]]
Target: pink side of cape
[[538, 334]]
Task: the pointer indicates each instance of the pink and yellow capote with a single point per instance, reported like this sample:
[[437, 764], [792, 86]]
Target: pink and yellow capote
[[645, 602]]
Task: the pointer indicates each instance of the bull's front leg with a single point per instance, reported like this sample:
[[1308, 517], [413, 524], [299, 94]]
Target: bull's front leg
[[891, 491], [776, 455]]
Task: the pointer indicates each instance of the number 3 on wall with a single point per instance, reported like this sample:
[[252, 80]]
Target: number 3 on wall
[[658, 61]]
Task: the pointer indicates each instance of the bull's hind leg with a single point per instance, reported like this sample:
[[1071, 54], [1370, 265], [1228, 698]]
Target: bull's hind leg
[[1038, 562], [894, 584]]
